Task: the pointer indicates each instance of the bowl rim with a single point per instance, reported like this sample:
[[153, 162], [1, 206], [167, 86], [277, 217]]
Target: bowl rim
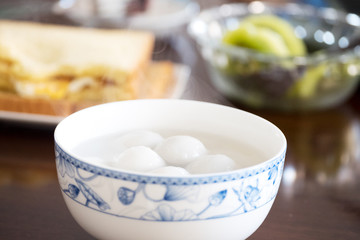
[[276, 160], [311, 58]]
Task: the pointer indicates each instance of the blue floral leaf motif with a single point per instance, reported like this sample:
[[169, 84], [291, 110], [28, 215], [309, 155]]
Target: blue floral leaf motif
[[165, 212], [60, 165], [69, 170], [273, 174], [91, 196], [217, 198], [185, 215], [237, 192], [126, 196], [247, 196], [65, 167], [214, 201], [73, 191], [176, 193], [252, 194]]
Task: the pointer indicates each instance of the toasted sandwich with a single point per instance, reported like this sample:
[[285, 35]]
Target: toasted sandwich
[[69, 67]]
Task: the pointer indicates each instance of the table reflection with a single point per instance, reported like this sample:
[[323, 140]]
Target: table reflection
[[323, 148]]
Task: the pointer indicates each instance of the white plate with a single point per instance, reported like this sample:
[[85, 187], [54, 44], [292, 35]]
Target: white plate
[[181, 76], [160, 16]]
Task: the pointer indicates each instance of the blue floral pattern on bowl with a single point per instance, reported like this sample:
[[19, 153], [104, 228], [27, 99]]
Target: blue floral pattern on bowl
[[198, 197]]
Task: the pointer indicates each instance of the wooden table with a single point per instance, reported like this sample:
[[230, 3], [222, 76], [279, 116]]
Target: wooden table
[[319, 197]]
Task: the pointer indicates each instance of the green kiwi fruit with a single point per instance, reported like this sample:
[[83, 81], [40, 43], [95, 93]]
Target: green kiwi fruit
[[260, 39], [267, 34]]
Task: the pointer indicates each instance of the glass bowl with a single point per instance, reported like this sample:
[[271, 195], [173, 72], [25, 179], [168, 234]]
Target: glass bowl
[[324, 78]]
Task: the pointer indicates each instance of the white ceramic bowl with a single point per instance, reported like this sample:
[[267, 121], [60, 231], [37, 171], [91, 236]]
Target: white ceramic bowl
[[116, 204]]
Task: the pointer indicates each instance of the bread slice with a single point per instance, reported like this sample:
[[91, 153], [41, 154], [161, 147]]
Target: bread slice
[[160, 82], [35, 54]]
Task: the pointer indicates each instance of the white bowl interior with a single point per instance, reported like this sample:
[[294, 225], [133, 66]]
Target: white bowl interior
[[180, 115]]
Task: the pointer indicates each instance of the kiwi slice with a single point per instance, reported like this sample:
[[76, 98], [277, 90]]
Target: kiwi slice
[[267, 34], [306, 86], [295, 45], [260, 39]]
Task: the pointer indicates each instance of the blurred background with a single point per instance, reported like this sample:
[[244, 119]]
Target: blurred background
[[321, 183]]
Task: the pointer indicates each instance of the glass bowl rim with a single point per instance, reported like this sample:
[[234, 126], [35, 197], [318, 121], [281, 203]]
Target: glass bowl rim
[[312, 58]]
